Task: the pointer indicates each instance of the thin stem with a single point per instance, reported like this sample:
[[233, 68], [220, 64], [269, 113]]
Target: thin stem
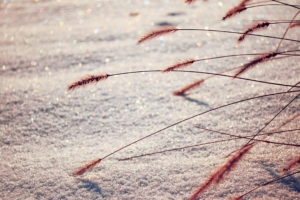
[[207, 73], [289, 90], [231, 69], [194, 116], [247, 54], [281, 21], [296, 6], [254, 3], [235, 32], [286, 4], [281, 110], [246, 137], [271, 181], [287, 30], [201, 144]]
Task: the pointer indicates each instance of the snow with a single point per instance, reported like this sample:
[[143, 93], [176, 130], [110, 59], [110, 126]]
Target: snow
[[47, 132]]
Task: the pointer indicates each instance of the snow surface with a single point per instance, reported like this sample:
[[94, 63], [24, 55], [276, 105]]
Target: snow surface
[[47, 132]]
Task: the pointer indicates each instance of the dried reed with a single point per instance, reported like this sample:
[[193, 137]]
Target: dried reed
[[190, 61], [86, 167], [237, 9], [184, 120], [263, 58], [89, 79], [266, 124], [179, 65], [157, 33], [169, 29], [189, 71], [218, 175], [188, 87], [252, 28]]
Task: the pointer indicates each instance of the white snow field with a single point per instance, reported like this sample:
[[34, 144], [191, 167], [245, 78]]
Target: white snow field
[[47, 132]]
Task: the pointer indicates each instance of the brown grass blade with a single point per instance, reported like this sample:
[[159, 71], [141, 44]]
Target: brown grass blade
[[292, 164], [234, 11], [179, 65], [188, 87], [260, 59], [252, 28], [156, 33], [86, 167], [221, 171], [89, 79]]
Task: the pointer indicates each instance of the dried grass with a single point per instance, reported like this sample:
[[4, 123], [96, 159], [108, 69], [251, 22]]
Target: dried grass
[[179, 65], [218, 175], [157, 33], [234, 11], [89, 79], [263, 58], [189, 87], [86, 167]]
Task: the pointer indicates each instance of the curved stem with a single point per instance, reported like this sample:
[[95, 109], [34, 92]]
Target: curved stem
[[287, 30], [296, 6], [202, 144], [277, 114], [286, 4], [194, 116], [235, 32]]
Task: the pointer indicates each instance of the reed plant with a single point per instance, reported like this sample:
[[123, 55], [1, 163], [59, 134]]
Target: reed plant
[[234, 158]]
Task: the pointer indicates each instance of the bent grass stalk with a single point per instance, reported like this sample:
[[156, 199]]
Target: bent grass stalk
[[266, 124], [179, 71], [232, 162], [253, 28], [92, 79], [287, 29], [168, 30], [263, 58], [186, 88], [218, 175], [274, 130], [184, 120], [213, 142], [263, 24], [190, 61]]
